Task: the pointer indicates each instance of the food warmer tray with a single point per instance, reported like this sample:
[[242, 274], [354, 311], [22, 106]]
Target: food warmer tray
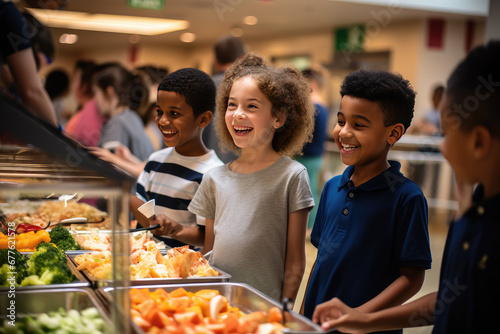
[[79, 282], [99, 283], [240, 295], [33, 302]]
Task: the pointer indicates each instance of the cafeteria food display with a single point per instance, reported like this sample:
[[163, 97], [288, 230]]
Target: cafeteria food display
[[148, 262], [38, 255], [87, 321], [99, 240], [55, 212], [28, 241], [68, 310], [47, 265], [203, 311]]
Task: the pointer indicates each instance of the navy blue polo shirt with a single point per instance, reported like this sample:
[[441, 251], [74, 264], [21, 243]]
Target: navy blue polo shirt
[[469, 288], [364, 235], [14, 33]]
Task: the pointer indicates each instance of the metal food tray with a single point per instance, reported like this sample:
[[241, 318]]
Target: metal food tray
[[80, 282], [99, 283], [104, 232], [34, 302], [240, 295]]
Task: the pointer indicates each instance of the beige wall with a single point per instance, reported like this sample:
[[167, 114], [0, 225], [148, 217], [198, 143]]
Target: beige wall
[[405, 40]]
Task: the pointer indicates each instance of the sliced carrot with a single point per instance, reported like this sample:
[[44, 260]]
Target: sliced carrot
[[217, 328], [179, 292], [139, 296], [274, 315], [188, 317], [145, 307], [206, 293]]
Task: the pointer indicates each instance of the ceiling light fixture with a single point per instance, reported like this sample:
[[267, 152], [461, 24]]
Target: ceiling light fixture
[[188, 37], [236, 32], [250, 20], [68, 39], [107, 23]]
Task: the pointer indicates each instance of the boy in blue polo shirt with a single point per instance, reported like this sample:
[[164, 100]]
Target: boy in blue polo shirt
[[467, 300], [371, 227]]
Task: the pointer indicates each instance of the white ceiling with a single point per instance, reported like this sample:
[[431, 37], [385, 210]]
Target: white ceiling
[[210, 19]]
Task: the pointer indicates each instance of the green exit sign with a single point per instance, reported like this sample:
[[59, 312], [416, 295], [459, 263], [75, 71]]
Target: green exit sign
[[146, 4]]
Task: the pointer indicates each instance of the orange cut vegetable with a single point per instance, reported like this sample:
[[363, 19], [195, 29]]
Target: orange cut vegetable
[[196, 309], [32, 239], [217, 328], [231, 322], [168, 306], [139, 296], [206, 293], [191, 313], [28, 240], [146, 307], [203, 303], [179, 292], [274, 315], [159, 295], [188, 317]]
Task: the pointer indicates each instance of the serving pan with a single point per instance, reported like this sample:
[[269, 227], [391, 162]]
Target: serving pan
[[80, 281], [98, 283], [34, 302], [240, 295]]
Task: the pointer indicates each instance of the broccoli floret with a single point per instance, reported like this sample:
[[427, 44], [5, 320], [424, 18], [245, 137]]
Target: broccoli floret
[[63, 239], [48, 265], [12, 261], [59, 275], [45, 257], [32, 280]]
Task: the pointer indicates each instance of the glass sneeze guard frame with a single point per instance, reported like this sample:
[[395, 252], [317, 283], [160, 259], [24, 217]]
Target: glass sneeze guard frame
[[118, 204]]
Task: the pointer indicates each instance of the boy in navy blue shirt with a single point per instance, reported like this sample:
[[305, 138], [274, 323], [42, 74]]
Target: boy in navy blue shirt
[[467, 300], [371, 229]]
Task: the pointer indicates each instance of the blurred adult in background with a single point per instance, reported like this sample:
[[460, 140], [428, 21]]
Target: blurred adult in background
[[152, 76], [57, 86], [312, 157], [430, 124], [19, 70], [226, 50], [118, 95], [86, 124]]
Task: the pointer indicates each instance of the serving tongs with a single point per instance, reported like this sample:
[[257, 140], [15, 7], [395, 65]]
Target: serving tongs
[[286, 317], [76, 220], [152, 227]]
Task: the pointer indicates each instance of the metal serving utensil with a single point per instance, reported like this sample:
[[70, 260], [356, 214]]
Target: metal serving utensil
[[152, 227]]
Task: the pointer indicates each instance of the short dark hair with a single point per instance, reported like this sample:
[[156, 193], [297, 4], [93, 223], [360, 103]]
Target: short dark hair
[[473, 89], [394, 95], [56, 83], [196, 86], [129, 87], [314, 76], [228, 49], [86, 67]]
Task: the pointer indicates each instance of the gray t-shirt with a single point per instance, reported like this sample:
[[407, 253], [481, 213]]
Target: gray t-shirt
[[250, 213], [128, 129]]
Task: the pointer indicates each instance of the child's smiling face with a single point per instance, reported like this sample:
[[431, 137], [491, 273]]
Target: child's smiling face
[[360, 133], [248, 115], [176, 121]]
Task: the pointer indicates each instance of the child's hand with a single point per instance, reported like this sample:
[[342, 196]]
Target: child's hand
[[335, 314], [168, 226], [103, 154]]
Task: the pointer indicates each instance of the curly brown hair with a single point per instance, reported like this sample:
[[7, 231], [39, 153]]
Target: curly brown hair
[[289, 93]]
